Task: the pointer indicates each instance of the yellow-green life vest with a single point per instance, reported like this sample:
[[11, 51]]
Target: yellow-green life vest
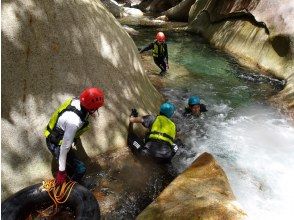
[[66, 106], [157, 50], [163, 129]]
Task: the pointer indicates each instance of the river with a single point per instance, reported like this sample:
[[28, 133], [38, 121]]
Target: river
[[252, 141]]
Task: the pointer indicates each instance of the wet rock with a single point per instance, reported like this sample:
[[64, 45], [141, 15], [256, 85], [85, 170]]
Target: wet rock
[[142, 21], [51, 51], [114, 8], [130, 30], [121, 10], [155, 5], [180, 12], [126, 184], [162, 18], [201, 192], [259, 33], [134, 12]]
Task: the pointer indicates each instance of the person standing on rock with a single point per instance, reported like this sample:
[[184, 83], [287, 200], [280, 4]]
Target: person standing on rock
[[159, 52], [159, 141], [67, 123], [194, 107]]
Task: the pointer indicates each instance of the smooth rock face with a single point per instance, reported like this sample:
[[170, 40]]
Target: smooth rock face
[[180, 12], [119, 10], [201, 192], [155, 5], [52, 50], [132, 12], [113, 7], [260, 33]]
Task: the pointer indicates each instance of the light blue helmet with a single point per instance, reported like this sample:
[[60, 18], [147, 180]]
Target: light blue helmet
[[167, 109], [194, 100]]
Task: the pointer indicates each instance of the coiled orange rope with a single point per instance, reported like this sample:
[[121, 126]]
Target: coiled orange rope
[[58, 195]]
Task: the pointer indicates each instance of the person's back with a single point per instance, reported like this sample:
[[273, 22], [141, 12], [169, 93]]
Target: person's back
[[160, 138], [67, 123]]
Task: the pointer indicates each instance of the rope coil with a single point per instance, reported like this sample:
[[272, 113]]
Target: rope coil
[[58, 194]]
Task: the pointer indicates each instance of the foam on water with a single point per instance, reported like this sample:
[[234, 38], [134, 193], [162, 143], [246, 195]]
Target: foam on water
[[254, 145], [256, 150]]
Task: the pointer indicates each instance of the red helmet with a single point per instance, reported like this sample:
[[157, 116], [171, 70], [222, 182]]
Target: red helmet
[[92, 99], [160, 37]]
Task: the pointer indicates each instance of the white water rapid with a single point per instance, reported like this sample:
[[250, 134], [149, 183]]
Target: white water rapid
[[255, 148]]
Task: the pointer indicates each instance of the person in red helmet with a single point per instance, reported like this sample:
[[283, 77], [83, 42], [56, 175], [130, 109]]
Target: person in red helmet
[[67, 123], [159, 52]]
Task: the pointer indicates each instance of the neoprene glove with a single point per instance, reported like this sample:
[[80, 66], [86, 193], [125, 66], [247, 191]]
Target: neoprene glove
[[60, 178], [134, 112]]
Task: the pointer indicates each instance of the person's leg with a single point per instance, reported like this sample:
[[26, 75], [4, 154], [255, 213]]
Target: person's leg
[[77, 167], [135, 143], [160, 151], [159, 63], [163, 64], [53, 148], [74, 167]]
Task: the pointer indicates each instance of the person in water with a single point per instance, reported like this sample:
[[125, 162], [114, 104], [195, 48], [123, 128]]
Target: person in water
[[159, 140], [194, 107], [67, 123], [159, 52]]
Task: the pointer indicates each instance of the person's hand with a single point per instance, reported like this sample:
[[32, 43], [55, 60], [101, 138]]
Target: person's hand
[[60, 178], [134, 112], [167, 66]]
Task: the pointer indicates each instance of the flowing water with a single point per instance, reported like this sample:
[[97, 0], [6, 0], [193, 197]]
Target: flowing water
[[252, 142]]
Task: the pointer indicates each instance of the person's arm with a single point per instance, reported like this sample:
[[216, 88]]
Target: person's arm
[[138, 119], [149, 47], [146, 120], [67, 141]]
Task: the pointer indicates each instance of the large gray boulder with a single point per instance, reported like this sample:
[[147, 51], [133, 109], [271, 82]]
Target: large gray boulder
[[156, 5], [52, 50], [180, 12], [259, 33], [119, 10]]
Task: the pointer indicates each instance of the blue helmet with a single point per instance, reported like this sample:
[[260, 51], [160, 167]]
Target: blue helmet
[[194, 100], [167, 109]]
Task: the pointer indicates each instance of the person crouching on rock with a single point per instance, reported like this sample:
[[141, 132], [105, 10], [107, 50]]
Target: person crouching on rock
[[159, 52], [67, 123], [159, 141]]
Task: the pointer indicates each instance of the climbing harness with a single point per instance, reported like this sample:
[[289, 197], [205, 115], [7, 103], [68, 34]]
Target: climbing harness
[[58, 194]]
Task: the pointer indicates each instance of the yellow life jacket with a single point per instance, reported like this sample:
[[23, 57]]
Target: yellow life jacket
[[57, 133], [163, 129], [158, 50]]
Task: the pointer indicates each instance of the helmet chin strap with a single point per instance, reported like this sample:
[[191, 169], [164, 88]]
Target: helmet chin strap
[[94, 114]]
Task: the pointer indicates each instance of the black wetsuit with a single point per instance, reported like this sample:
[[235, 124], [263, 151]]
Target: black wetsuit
[[162, 59], [159, 150]]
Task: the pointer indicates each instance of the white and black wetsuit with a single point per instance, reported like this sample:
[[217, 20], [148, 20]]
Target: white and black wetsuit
[[69, 122]]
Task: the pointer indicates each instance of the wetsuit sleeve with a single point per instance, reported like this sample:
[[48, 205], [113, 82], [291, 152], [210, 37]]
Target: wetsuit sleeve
[[203, 108], [148, 121], [149, 47], [186, 112], [67, 141]]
